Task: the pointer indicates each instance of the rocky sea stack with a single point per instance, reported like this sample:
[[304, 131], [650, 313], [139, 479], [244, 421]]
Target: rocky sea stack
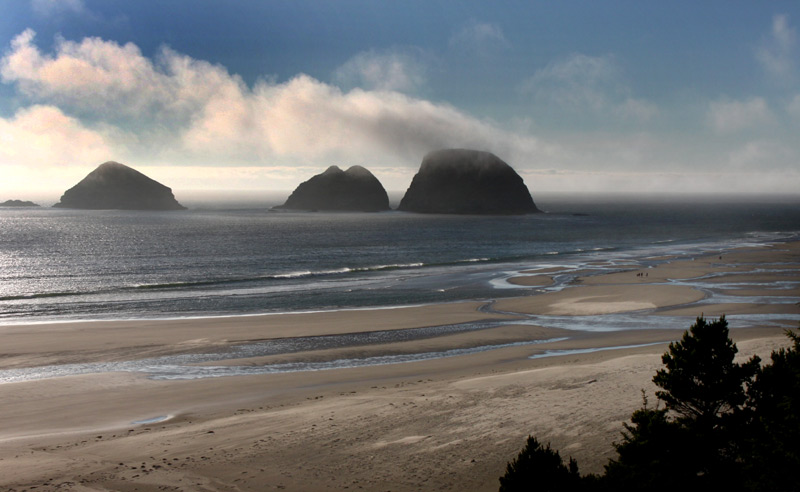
[[18, 203], [355, 190], [462, 181], [115, 186]]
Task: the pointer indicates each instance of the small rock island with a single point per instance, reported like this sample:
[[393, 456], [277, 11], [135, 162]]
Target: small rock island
[[115, 186], [18, 203], [354, 190], [463, 181]]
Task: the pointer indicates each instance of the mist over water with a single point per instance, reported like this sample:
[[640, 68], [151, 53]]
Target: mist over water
[[74, 264]]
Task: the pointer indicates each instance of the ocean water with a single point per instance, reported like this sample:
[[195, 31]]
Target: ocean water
[[212, 260]]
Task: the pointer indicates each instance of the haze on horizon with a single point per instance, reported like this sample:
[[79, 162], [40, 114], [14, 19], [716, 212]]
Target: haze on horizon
[[576, 96]]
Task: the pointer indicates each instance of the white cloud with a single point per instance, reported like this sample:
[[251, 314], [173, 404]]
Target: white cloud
[[580, 82], [43, 136], [479, 38], [727, 116], [114, 82], [306, 119], [95, 100], [394, 70], [184, 110], [776, 53]]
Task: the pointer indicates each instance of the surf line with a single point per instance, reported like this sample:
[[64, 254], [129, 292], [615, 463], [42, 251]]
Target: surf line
[[202, 372], [556, 352]]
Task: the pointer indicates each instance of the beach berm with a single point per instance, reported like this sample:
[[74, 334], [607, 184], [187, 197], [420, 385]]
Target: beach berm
[[449, 423]]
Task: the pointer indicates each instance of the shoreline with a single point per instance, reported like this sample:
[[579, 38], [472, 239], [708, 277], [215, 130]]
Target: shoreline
[[526, 278], [448, 423]]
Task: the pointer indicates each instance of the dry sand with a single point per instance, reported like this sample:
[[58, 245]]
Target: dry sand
[[443, 424]]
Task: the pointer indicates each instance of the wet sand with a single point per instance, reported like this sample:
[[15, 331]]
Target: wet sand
[[443, 424], [601, 299]]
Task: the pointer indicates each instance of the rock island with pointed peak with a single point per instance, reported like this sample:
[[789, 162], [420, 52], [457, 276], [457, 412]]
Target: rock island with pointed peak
[[115, 186], [354, 190], [462, 181]]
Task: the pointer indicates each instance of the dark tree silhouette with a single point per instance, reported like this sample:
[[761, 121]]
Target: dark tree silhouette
[[706, 390], [771, 452], [700, 382], [655, 454], [540, 468], [725, 426]]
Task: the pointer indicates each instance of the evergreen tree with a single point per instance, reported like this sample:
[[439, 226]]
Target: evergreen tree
[[540, 468], [655, 454], [700, 382], [771, 452], [728, 426], [695, 440]]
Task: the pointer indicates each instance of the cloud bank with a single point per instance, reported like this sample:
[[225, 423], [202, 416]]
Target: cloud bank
[[92, 100], [46, 136], [175, 107]]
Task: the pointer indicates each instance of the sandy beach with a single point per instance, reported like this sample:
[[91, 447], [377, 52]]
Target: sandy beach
[[447, 423]]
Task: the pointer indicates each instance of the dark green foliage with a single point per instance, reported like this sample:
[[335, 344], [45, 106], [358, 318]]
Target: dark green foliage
[[706, 389], [655, 454], [700, 382], [772, 446], [693, 442], [540, 468], [726, 426]]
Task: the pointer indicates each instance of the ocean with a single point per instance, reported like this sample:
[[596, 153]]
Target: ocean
[[217, 259]]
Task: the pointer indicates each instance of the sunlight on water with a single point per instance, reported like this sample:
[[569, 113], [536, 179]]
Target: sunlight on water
[[67, 264]]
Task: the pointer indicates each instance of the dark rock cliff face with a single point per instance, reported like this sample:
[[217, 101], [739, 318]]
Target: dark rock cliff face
[[354, 190], [461, 181], [116, 186], [18, 203]]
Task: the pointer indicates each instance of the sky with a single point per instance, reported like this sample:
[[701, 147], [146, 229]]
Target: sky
[[577, 96]]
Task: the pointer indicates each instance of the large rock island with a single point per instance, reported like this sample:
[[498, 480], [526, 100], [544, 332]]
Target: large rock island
[[462, 181], [354, 190], [116, 186]]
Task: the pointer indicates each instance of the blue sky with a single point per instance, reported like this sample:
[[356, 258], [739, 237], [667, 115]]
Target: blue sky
[[577, 96]]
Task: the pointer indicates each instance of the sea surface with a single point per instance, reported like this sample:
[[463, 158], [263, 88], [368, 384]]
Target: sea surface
[[239, 259]]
